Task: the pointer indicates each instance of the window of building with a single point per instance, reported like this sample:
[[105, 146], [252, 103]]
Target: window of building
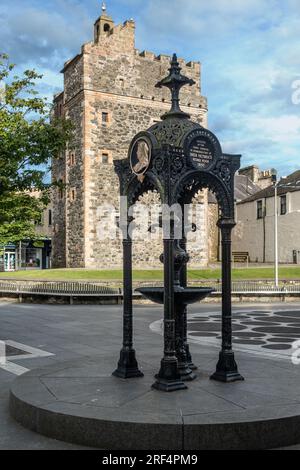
[[283, 205], [105, 118], [61, 190], [72, 158], [50, 217], [122, 82], [73, 194], [105, 158], [260, 212], [106, 28]]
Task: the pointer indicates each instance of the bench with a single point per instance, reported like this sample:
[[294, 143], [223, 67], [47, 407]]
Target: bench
[[240, 257]]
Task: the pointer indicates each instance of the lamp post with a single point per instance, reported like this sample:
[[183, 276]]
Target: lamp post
[[276, 235]]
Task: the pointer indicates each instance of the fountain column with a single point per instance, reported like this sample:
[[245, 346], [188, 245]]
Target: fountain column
[[183, 283], [227, 370], [168, 378], [127, 365]]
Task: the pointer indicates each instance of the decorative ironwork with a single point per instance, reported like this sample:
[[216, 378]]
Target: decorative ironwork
[[185, 158], [172, 133], [175, 81]]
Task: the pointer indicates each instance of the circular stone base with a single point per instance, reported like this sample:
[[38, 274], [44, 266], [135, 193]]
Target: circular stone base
[[80, 402]]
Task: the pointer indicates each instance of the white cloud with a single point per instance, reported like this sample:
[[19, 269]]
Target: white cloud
[[283, 129]]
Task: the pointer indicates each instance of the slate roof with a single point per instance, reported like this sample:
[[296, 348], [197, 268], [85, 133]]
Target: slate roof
[[293, 179], [244, 187]]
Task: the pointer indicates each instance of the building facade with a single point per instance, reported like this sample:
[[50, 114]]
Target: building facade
[[110, 95], [255, 230], [30, 254]]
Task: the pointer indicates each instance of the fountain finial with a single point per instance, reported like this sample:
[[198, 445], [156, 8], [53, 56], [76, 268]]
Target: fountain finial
[[174, 81]]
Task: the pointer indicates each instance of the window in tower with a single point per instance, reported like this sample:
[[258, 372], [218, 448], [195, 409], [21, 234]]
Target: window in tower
[[61, 190], [105, 158], [105, 118], [73, 195], [72, 158], [49, 217]]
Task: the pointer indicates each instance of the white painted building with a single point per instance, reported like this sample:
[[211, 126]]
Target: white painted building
[[255, 230]]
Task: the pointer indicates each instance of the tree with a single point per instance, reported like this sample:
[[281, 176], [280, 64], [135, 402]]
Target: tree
[[28, 141]]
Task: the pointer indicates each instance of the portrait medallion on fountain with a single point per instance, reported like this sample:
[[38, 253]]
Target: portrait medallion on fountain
[[140, 157]]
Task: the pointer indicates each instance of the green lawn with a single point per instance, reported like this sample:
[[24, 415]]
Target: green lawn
[[148, 275]]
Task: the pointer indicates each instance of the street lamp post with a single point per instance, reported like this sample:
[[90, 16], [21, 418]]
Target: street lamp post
[[276, 236]]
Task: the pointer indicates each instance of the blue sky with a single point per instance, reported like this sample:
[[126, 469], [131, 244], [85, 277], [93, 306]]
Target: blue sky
[[249, 49]]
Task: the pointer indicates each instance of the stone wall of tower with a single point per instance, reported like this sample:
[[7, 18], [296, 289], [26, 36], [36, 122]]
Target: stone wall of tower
[[58, 200], [112, 77], [68, 215], [75, 189]]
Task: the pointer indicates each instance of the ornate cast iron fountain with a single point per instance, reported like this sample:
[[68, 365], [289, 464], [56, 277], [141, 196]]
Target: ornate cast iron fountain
[[177, 157]]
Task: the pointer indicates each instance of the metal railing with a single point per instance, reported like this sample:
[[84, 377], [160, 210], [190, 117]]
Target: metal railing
[[243, 287], [58, 288], [256, 287]]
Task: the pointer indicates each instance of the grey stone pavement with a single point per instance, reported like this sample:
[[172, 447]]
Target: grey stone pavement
[[38, 335]]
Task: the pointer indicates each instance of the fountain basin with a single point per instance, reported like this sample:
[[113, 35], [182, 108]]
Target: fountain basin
[[184, 295]]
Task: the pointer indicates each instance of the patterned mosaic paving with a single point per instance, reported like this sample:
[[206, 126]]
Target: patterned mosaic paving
[[265, 332], [273, 331]]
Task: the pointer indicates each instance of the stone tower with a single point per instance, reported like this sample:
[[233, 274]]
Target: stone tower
[[110, 95]]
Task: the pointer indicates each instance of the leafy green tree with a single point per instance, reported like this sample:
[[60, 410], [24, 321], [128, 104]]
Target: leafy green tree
[[29, 137]]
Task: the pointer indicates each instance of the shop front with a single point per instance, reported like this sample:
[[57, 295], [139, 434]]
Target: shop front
[[26, 255]]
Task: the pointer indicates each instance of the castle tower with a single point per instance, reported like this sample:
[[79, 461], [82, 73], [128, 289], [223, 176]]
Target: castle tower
[[110, 95]]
